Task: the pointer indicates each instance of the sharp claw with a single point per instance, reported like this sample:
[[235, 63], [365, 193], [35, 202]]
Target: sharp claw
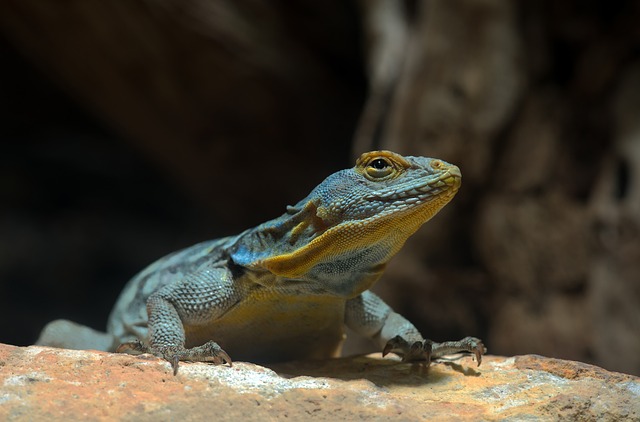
[[476, 347], [175, 360], [479, 351], [387, 349], [391, 344], [428, 347], [225, 358]]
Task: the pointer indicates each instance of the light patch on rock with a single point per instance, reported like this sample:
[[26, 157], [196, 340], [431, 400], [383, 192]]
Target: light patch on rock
[[25, 379], [507, 362], [632, 386]]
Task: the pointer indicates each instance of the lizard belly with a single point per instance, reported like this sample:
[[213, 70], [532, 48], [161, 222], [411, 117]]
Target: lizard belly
[[268, 326]]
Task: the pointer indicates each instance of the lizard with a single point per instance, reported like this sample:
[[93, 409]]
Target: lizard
[[286, 289]]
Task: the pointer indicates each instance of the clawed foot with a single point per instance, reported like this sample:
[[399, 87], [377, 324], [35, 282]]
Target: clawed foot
[[410, 352], [208, 352], [425, 350]]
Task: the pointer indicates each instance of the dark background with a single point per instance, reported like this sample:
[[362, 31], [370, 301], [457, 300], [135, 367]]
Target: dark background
[[132, 129]]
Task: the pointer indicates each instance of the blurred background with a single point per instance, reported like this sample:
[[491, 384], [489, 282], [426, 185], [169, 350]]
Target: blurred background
[[130, 129]]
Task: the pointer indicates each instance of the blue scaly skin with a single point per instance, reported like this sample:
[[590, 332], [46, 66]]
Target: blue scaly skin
[[286, 289]]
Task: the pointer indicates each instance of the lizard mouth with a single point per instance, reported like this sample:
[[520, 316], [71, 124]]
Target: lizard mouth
[[420, 190]]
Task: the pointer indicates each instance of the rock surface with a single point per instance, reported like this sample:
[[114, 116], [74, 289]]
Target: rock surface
[[40, 382]]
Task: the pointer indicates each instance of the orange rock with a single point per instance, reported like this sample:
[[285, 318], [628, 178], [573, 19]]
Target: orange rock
[[39, 382]]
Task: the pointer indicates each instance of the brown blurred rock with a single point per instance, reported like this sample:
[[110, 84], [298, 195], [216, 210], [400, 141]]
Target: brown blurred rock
[[538, 104], [60, 384], [225, 96]]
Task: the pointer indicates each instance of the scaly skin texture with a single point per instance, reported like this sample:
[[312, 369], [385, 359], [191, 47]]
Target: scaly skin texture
[[287, 288]]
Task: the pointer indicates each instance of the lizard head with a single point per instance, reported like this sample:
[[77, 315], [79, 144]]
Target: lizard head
[[404, 192], [357, 219]]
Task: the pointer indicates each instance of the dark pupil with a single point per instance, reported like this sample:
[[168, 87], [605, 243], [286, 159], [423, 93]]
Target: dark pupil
[[379, 164]]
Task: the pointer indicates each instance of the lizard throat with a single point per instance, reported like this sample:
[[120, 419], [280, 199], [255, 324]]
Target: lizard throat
[[394, 216]]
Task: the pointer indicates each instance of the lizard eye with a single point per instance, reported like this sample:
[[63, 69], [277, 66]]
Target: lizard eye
[[379, 168]]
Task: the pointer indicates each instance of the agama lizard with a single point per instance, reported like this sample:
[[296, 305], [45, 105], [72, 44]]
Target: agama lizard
[[286, 289]]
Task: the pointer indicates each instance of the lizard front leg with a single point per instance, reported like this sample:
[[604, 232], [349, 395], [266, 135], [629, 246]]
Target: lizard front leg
[[368, 315], [199, 298]]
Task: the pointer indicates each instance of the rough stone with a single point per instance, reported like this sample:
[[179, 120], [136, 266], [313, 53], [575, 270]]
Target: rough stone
[[40, 382]]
